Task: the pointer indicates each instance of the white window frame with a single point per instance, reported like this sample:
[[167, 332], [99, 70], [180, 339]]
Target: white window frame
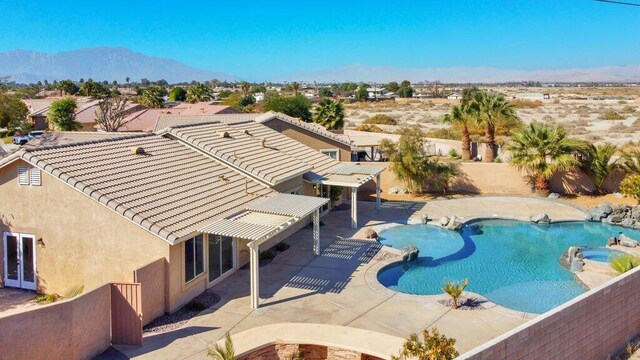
[[336, 150]]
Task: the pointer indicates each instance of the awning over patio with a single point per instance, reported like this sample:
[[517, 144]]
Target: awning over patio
[[351, 175], [262, 221]]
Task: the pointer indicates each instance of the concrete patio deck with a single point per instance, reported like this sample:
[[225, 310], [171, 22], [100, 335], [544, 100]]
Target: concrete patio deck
[[298, 287], [15, 300]]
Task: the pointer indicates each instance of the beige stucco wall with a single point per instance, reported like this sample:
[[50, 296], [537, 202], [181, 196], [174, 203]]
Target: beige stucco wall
[[290, 185], [85, 243], [78, 328], [309, 138], [152, 280], [595, 325]]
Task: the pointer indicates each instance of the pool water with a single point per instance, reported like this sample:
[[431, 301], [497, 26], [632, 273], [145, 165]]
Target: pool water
[[512, 263], [601, 254]]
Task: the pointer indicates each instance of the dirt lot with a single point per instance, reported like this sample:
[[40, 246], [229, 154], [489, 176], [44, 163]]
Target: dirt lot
[[613, 121]]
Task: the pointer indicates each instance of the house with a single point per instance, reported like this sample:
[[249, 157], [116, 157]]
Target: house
[[86, 116], [198, 199], [203, 108], [532, 96], [38, 109], [144, 120], [454, 96]]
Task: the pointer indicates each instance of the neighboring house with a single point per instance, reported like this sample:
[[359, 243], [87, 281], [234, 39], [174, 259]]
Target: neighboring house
[[203, 108], [532, 96], [144, 120], [454, 96], [202, 197], [39, 108], [87, 115]]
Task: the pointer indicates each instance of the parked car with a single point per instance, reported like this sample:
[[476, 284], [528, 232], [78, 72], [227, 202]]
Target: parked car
[[23, 139]]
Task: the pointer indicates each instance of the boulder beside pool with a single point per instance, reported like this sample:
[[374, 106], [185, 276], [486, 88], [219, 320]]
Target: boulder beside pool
[[370, 234], [454, 223], [627, 241], [443, 221], [540, 219], [410, 253]]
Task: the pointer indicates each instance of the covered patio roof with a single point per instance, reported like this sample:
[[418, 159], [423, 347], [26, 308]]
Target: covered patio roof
[[351, 175], [261, 221]]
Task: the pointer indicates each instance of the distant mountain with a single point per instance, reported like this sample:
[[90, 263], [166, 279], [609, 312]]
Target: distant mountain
[[101, 63], [358, 72]]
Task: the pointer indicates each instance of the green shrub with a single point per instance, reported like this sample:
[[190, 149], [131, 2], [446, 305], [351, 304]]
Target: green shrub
[[48, 298], [453, 154], [281, 246], [630, 186], [369, 128], [445, 133], [623, 263], [433, 346], [497, 159], [267, 255], [195, 305]]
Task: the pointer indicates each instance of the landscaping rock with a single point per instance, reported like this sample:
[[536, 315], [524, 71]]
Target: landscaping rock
[[370, 234], [393, 191], [454, 223], [403, 191], [618, 195], [424, 219], [410, 253], [613, 241], [628, 222], [628, 242], [577, 265], [614, 218], [554, 196], [443, 221], [540, 218]]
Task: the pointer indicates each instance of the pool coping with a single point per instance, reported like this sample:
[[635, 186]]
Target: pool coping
[[371, 274]]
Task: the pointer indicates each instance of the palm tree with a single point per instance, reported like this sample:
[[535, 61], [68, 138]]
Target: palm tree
[[462, 114], [455, 290], [199, 92], [152, 97], [599, 165], [223, 353], [330, 114], [542, 150], [128, 87], [295, 86], [245, 88], [492, 108]]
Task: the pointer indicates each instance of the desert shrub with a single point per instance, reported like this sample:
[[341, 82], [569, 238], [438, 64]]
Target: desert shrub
[[611, 115], [628, 110], [445, 133], [497, 159], [622, 102], [369, 128], [433, 346], [618, 127], [281, 246], [48, 298], [526, 104], [381, 120]]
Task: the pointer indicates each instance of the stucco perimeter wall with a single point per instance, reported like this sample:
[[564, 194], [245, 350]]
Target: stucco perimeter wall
[[502, 178], [152, 278], [83, 242], [595, 325], [78, 328]]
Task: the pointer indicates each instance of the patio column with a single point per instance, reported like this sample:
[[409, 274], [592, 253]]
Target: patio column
[[254, 269], [316, 232], [378, 192], [354, 207]]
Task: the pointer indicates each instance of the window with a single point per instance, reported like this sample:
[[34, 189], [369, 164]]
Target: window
[[334, 153], [220, 256], [193, 258], [29, 176]]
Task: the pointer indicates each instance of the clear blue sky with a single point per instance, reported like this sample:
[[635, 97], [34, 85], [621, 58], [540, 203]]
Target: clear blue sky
[[262, 40]]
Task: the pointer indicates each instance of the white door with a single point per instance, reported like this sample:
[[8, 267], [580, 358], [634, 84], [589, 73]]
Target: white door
[[20, 260]]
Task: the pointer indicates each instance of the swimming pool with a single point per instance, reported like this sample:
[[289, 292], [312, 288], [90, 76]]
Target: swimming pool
[[512, 263], [601, 254]]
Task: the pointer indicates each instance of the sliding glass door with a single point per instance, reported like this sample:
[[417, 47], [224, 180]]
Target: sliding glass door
[[221, 256]]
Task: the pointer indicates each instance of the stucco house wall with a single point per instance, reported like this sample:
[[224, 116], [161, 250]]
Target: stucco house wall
[[309, 138], [84, 243]]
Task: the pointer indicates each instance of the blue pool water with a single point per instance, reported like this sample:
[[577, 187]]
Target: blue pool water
[[601, 254], [512, 263]]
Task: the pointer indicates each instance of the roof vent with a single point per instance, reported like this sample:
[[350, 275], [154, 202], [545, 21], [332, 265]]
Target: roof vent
[[246, 132], [137, 150], [263, 142], [222, 177], [224, 135]]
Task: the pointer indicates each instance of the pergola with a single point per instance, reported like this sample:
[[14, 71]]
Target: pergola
[[260, 222], [351, 175]]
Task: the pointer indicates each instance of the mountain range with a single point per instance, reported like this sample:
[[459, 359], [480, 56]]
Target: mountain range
[[100, 63]]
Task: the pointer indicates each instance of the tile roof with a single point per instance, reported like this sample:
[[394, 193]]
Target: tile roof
[[243, 151], [312, 127], [203, 108], [172, 190], [145, 120], [177, 120], [57, 138]]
